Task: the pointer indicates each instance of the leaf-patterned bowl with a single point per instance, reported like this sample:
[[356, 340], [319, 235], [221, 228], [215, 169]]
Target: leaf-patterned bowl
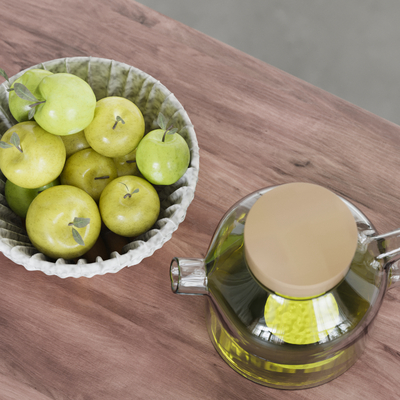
[[107, 78]]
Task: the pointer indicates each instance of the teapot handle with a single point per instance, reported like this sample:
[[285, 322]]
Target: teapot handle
[[389, 245], [387, 241], [394, 275]]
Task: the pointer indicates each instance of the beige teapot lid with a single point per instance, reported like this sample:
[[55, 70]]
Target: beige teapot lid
[[300, 239]]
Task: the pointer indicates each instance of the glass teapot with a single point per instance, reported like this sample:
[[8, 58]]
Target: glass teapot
[[294, 276]]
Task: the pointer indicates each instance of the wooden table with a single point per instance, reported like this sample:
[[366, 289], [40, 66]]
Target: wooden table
[[125, 335]]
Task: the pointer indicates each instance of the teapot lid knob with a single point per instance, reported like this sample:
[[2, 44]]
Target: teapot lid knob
[[300, 239]]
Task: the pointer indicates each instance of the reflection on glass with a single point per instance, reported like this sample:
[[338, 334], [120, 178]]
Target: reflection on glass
[[301, 321]]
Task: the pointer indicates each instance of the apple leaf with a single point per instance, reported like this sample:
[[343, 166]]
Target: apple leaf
[[81, 222], [135, 191], [31, 113], [23, 92], [5, 145], [15, 139], [172, 131], [4, 75], [14, 142], [162, 121], [77, 237]]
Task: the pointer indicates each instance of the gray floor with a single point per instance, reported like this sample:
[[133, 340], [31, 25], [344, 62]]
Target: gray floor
[[350, 48]]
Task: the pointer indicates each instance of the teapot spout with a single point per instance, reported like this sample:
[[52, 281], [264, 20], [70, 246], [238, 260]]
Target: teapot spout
[[188, 276]]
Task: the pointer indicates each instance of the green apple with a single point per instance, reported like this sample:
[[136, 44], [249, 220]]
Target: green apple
[[63, 222], [75, 142], [66, 104], [163, 155], [126, 165], [31, 157], [117, 127], [89, 171], [19, 199], [19, 107], [129, 206]]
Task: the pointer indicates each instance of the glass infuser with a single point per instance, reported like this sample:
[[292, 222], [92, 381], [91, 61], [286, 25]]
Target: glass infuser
[[294, 277]]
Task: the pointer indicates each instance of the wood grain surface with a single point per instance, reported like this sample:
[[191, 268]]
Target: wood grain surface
[[126, 336]]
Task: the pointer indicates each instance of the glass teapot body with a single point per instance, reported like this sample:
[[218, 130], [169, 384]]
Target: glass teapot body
[[275, 340]]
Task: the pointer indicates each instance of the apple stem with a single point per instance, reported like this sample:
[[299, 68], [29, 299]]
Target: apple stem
[[37, 103], [102, 177], [122, 183], [118, 119], [166, 131], [128, 195], [130, 161]]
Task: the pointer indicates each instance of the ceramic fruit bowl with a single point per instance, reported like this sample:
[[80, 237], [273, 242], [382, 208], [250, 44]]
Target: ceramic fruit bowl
[[108, 78]]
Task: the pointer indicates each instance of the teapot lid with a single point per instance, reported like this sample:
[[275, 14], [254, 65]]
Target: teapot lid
[[300, 239]]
